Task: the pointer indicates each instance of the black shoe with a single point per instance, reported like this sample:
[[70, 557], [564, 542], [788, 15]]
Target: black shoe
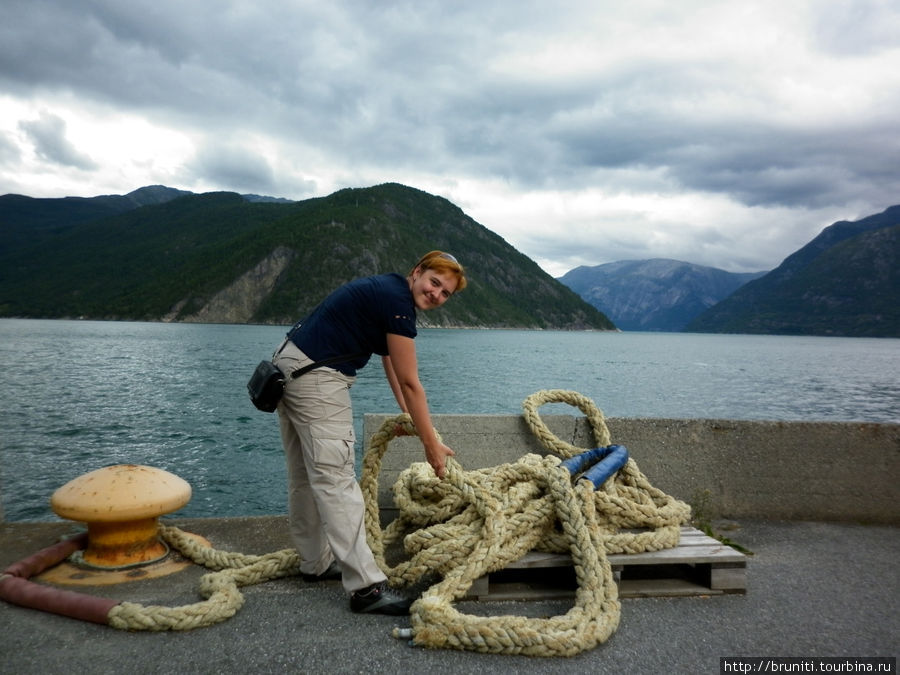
[[333, 572], [380, 599]]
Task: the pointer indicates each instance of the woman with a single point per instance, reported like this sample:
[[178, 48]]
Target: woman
[[373, 315]]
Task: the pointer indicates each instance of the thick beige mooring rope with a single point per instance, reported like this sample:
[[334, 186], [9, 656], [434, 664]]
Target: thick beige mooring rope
[[470, 524], [220, 588], [473, 523]]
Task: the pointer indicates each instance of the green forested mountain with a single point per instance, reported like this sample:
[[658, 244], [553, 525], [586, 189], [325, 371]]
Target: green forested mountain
[[23, 218], [844, 282], [220, 257]]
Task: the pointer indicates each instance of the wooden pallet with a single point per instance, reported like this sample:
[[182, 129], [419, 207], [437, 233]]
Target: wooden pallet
[[699, 565]]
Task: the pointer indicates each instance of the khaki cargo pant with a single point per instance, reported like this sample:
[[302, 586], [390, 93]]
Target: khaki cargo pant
[[325, 503]]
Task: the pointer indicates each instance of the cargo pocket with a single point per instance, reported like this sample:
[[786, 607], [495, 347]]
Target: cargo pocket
[[334, 445]]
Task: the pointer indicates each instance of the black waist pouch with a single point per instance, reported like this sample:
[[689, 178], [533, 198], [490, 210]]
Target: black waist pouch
[[266, 386]]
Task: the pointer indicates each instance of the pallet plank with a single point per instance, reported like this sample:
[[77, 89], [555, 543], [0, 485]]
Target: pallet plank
[[699, 565], [663, 588], [728, 578]]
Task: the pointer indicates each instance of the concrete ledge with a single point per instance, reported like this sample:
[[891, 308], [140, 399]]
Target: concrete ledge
[[823, 471]]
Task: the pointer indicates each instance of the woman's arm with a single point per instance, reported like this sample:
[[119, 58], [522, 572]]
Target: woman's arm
[[401, 361], [392, 380]]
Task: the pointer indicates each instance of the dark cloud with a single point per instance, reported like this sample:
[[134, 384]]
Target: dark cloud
[[48, 134], [773, 166], [770, 107], [234, 168]]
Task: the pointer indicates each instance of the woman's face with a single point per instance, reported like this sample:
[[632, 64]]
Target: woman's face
[[430, 288]]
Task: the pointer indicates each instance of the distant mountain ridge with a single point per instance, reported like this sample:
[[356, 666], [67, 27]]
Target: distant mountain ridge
[[653, 295], [161, 254], [845, 282], [41, 212], [58, 211]]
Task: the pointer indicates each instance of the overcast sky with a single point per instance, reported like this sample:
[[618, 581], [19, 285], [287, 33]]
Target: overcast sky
[[721, 133]]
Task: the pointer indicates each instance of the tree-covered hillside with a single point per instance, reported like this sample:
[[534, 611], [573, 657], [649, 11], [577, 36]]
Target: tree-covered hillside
[[219, 257], [845, 282]]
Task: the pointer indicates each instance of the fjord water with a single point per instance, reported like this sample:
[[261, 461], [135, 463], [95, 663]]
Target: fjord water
[[80, 395]]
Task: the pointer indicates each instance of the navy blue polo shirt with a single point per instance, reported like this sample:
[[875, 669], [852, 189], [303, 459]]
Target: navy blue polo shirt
[[357, 318]]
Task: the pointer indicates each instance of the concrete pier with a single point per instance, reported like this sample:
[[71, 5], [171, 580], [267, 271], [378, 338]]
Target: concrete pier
[[823, 471], [816, 503], [815, 589]]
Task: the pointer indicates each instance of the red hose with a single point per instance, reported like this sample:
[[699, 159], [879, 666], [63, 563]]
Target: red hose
[[47, 558], [16, 588]]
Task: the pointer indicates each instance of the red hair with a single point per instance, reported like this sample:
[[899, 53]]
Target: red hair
[[442, 262]]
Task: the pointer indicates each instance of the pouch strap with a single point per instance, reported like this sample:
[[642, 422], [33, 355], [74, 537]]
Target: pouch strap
[[325, 362], [318, 364]]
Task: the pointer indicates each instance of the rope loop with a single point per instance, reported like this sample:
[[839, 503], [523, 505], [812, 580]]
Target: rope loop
[[220, 588], [549, 440]]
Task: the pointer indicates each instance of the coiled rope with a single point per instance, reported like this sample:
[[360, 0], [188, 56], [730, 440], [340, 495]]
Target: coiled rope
[[463, 527], [477, 522]]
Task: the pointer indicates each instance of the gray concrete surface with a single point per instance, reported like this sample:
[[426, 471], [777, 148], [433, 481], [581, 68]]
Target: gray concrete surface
[[815, 589], [828, 471], [815, 503]]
